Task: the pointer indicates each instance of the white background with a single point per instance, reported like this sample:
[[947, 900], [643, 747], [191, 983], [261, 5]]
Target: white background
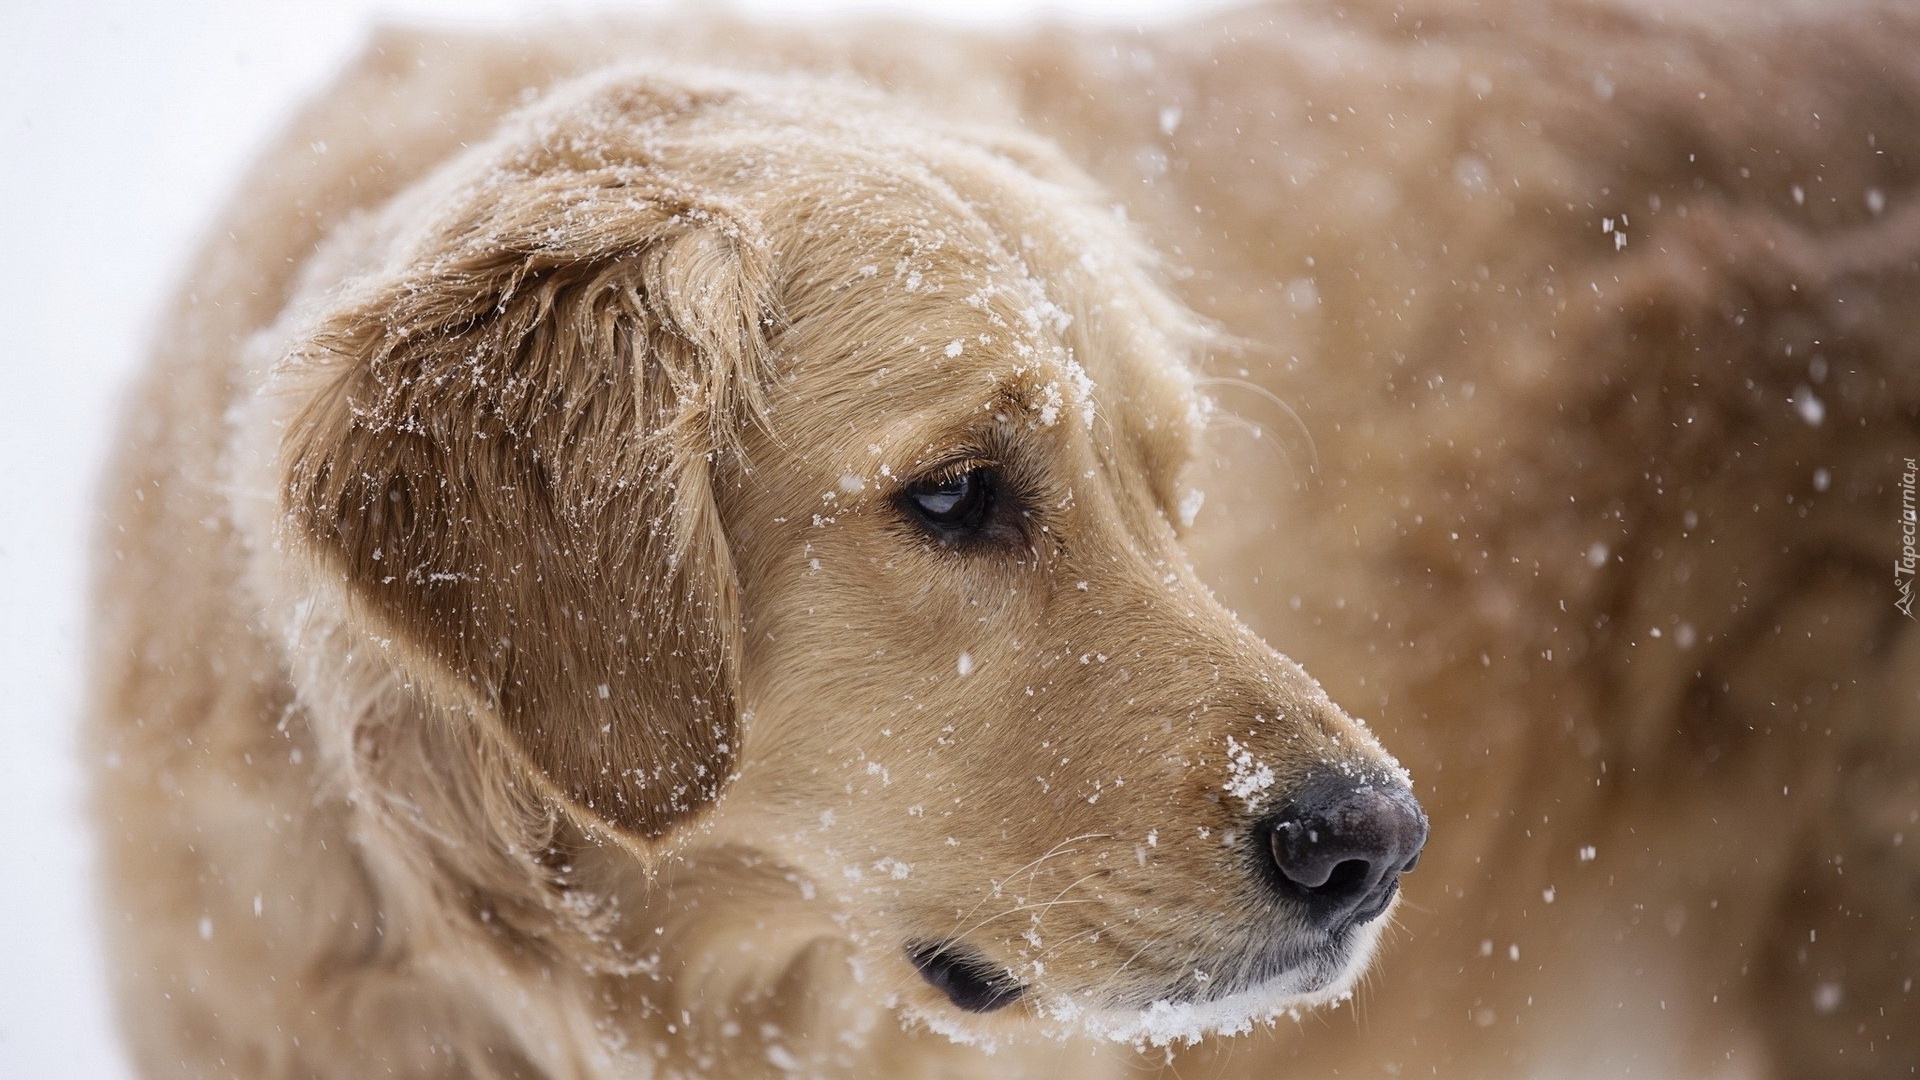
[[122, 124]]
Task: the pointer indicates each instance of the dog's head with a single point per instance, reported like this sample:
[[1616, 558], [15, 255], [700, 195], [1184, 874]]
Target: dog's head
[[754, 464]]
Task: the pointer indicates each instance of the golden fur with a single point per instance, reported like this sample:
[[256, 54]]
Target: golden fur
[[1598, 322]]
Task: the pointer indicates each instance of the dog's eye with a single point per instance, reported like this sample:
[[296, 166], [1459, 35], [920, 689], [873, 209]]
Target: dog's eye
[[956, 503]]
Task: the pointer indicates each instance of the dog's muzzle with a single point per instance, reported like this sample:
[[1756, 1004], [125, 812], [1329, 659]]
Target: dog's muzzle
[[1333, 852]]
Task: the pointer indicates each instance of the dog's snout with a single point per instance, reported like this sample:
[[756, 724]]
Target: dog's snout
[[1340, 848]]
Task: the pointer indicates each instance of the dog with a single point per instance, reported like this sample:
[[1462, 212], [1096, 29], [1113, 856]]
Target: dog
[[1561, 355], [679, 576]]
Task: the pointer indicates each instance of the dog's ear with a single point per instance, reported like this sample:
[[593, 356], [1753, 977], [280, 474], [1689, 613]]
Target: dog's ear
[[510, 463]]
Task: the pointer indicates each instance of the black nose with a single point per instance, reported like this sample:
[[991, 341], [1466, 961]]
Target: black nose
[[1341, 846]]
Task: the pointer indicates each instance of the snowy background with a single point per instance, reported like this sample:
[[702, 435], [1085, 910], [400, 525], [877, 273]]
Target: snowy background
[[122, 125]]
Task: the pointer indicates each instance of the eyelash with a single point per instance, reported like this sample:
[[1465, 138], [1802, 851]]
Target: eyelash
[[963, 504]]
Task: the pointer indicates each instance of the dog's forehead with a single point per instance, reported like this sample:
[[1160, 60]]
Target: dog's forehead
[[889, 381], [935, 283], [901, 395]]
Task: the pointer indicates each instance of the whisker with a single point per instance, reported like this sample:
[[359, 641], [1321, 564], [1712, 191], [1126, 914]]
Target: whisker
[[1031, 867], [1114, 975], [1044, 906], [996, 916], [1313, 451]]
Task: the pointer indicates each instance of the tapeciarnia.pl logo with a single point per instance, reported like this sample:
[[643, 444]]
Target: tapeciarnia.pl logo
[[1903, 569]]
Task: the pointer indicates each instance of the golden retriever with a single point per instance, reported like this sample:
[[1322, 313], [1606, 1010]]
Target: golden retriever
[[628, 569], [692, 568]]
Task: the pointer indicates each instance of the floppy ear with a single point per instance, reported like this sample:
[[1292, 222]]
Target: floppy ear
[[509, 464]]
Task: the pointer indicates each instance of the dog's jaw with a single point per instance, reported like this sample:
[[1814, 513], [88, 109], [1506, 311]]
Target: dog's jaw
[[1325, 978]]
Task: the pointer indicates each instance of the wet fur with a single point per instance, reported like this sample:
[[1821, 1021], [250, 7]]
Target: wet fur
[[1513, 434]]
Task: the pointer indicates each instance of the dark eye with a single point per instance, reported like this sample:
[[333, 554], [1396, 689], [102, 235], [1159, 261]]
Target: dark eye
[[957, 503]]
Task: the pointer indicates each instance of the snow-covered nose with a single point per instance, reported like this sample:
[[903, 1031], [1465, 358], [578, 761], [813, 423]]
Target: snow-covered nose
[[1340, 847]]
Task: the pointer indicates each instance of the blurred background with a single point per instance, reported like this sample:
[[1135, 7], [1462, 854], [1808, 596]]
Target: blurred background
[[123, 123]]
